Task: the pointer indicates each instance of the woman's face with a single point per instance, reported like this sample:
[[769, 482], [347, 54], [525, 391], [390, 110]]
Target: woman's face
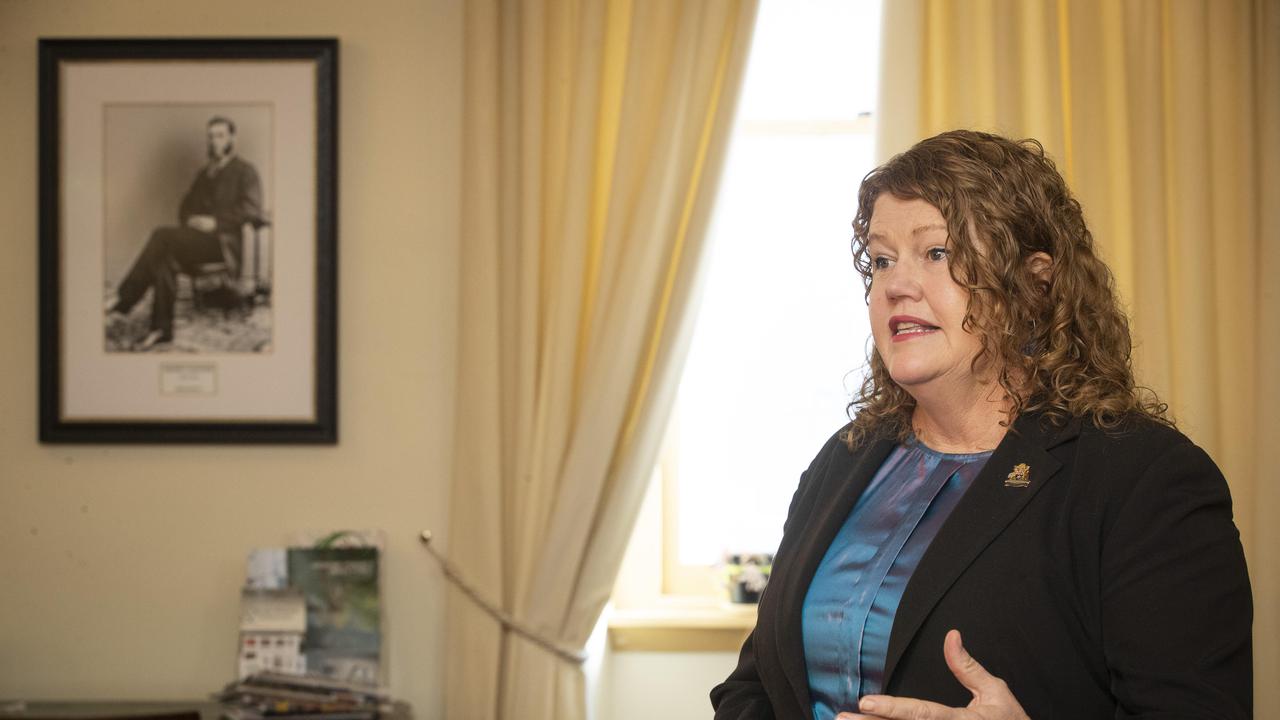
[[916, 308]]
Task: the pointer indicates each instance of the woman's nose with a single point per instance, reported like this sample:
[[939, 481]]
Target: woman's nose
[[902, 281]]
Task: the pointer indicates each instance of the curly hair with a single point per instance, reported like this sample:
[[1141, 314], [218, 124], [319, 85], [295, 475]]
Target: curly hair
[[1061, 346]]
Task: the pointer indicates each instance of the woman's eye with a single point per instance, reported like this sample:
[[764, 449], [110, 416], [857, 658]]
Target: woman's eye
[[937, 254], [879, 262]]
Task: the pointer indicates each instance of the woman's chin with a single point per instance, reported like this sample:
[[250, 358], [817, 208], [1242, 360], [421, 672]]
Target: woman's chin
[[912, 379]]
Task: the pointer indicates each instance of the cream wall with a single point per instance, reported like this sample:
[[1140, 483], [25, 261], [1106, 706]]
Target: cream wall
[[120, 566], [667, 685]]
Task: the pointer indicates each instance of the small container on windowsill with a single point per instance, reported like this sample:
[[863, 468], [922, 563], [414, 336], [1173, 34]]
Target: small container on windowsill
[[745, 576]]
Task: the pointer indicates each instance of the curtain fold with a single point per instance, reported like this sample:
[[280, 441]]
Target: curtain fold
[[595, 133], [1164, 116]]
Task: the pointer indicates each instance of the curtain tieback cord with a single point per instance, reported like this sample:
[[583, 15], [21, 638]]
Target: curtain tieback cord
[[560, 650]]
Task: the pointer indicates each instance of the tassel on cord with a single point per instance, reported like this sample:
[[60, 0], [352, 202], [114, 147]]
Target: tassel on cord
[[564, 652]]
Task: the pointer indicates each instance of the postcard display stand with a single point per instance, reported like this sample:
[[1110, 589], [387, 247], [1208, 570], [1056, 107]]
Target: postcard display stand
[[313, 610]]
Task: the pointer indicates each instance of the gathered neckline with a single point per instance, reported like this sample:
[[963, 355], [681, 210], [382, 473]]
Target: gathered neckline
[[915, 442]]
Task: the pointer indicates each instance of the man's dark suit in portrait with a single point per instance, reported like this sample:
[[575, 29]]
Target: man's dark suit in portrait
[[225, 195]]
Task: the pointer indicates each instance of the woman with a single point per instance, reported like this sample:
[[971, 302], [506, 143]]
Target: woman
[[1005, 491]]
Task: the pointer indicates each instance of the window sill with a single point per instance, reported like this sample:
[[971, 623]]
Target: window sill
[[682, 626]]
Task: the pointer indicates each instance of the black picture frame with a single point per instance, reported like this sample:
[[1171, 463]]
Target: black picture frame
[[90, 390]]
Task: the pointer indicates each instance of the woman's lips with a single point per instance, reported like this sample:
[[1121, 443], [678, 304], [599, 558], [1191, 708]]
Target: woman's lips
[[906, 327], [911, 333]]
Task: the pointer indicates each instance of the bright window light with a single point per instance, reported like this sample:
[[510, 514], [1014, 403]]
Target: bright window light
[[781, 335]]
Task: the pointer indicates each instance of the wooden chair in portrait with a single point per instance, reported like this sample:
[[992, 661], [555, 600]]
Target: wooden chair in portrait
[[245, 274]]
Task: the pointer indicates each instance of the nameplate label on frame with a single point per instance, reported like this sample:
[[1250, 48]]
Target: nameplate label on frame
[[188, 379]]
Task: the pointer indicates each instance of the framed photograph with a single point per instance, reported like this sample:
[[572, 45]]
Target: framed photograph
[[188, 279]]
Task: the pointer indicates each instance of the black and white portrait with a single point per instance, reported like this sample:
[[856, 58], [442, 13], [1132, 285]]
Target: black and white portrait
[[188, 267], [187, 228]]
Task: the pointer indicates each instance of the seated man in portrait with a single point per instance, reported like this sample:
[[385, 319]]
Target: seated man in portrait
[[225, 194]]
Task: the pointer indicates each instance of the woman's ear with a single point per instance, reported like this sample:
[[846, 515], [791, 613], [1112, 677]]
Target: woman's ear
[[1040, 265]]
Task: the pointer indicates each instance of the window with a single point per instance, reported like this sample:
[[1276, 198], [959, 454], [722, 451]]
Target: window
[[781, 335]]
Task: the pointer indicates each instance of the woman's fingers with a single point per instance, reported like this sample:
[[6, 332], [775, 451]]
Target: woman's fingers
[[984, 686], [888, 707], [992, 699]]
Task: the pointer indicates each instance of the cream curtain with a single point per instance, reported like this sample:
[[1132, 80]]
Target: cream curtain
[[595, 131], [1165, 118]]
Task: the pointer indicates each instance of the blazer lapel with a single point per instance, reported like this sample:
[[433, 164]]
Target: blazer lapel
[[835, 500], [994, 499]]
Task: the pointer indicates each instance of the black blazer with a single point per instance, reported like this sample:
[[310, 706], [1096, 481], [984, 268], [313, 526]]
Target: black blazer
[[1112, 586]]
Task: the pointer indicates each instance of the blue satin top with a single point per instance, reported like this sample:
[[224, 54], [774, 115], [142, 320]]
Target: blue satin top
[[849, 609]]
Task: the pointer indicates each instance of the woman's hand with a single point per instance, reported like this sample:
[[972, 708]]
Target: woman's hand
[[991, 697]]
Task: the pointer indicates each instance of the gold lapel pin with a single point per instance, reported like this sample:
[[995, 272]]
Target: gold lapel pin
[[1020, 477]]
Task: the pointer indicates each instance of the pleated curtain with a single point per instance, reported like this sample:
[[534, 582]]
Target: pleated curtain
[[1164, 116], [594, 134]]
